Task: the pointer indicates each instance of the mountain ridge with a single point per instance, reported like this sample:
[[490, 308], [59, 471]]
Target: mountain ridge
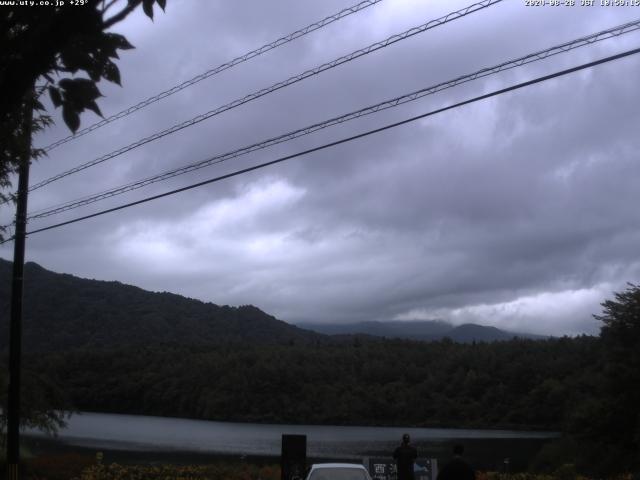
[[422, 330], [63, 311]]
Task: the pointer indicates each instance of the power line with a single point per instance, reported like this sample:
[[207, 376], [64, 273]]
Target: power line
[[220, 68], [524, 60], [277, 86], [345, 140]]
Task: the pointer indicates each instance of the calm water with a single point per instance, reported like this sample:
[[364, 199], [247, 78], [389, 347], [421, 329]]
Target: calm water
[[143, 433]]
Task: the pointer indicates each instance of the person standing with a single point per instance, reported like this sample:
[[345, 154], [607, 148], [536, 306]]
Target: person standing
[[405, 455], [457, 469]]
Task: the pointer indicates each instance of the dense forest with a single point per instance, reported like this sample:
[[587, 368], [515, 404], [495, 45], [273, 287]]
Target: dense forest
[[518, 384], [556, 384]]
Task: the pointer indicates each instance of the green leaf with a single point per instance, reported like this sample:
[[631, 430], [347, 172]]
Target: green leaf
[[118, 41], [94, 70], [79, 90], [56, 99], [74, 58], [71, 118], [78, 94], [93, 106], [66, 83], [110, 52], [111, 72], [147, 6]]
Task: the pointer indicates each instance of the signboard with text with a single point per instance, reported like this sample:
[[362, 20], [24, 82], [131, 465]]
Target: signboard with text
[[385, 469]]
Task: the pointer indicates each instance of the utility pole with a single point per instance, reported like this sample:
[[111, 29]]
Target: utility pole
[[15, 334]]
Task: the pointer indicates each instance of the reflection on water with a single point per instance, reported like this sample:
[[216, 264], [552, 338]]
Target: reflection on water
[[143, 433]]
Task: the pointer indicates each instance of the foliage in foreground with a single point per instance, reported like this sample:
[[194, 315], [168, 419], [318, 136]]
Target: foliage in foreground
[[38, 393], [44, 49], [566, 472], [272, 472], [115, 471], [57, 466]]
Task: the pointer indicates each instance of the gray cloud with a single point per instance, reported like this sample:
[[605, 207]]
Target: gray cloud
[[519, 211]]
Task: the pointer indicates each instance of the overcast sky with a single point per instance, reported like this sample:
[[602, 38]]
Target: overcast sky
[[520, 211]]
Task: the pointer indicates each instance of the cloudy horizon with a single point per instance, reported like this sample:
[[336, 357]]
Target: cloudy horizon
[[515, 212]]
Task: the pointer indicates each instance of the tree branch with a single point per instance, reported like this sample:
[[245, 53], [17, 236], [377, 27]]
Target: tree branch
[[108, 6], [118, 17]]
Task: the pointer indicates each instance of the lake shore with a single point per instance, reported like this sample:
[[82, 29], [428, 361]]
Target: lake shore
[[40, 446], [484, 454]]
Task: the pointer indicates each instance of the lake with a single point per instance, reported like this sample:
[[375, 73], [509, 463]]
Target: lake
[[136, 433]]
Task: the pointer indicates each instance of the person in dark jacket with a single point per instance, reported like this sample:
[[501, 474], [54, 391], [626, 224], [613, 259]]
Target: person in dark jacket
[[404, 456], [457, 469]]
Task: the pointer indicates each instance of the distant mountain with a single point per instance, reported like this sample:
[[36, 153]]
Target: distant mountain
[[62, 312], [418, 329], [430, 330]]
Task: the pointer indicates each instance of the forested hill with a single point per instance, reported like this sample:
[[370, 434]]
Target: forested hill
[[429, 330], [63, 312]]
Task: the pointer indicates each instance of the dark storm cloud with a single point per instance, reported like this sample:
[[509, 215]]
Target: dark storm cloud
[[518, 211]]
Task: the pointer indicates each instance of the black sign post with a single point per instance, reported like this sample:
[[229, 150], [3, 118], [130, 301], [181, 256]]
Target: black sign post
[[293, 460]]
